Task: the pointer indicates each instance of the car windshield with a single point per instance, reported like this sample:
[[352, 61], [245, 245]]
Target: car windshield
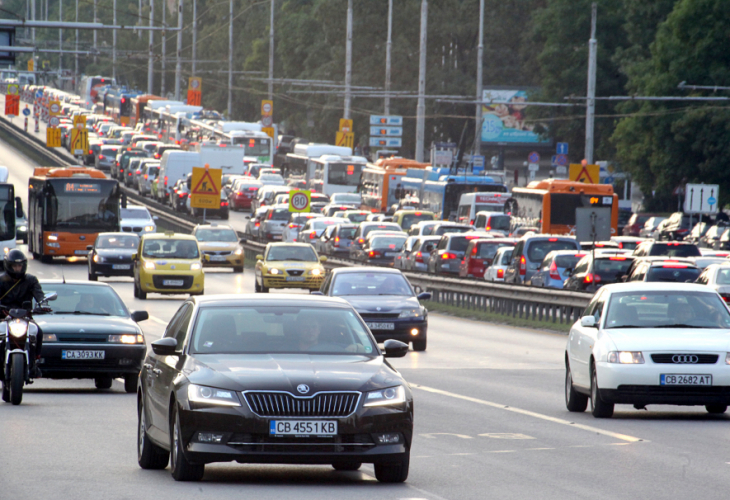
[[388, 242], [371, 284], [117, 241], [135, 213], [297, 252], [223, 235], [537, 250], [170, 249], [280, 329], [271, 178], [412, 218], [673, 273], [675, 250], [665, 309], [86, 300]]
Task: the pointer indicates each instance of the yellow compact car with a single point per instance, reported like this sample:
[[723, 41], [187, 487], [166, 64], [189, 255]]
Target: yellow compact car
[[289, 265], [168, 263], [220, 246]]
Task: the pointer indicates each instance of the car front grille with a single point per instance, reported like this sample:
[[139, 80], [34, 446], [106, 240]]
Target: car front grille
[[82, 338], [217, 252], [688, 359], [280, 281], [128, 229], [295, 272], [284, 404], [378, 315], [158, 281], [352, 443]]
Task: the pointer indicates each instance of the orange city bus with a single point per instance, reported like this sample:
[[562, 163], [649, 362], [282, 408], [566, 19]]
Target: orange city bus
[[379, 181], [68, 208], [139, 103], [550, 204]]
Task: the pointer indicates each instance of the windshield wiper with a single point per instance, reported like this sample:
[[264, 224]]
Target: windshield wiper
[[627, 326], [82, 312], [681, 325]]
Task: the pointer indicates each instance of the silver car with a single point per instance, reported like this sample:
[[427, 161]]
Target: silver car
[[273, 223], [254, 223], [107, 158], [417, 260], [149, 174]]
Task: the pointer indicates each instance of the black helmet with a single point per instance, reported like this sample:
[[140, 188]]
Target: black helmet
[[15, 256]]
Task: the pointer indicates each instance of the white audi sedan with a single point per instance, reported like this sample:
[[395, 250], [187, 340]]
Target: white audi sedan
[[649, 343]]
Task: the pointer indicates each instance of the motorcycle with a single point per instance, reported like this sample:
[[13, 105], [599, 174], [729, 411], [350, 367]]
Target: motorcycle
[[18, 333]]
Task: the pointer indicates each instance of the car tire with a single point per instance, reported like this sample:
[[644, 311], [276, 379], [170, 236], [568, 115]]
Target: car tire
[[256, 286], [130, 382], [140, 294], [264, 289], [716, 409], [237, 269], [395, 472], [347, 466], [599, 408], [135, 290], [149, 455], [103, 382], [93, 277], [181, 469], [420, 345], [574, 401]]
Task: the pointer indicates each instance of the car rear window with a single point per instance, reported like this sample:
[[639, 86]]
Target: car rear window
[[414, 218], [568, 261], [488, 249], [506, 257], [390, 242], [459, 243], [380, 227], [675, 250], [611, 269], [499, 223], [450, 229], [537, 250], [347, 232], [279, 214], [357, 216], [674, 274]]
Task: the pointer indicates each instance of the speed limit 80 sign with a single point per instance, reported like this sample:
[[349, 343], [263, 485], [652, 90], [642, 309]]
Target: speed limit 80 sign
[[299, 201]]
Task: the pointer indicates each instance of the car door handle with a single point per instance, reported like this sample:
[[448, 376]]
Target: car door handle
[[148, 366], [157, 371]]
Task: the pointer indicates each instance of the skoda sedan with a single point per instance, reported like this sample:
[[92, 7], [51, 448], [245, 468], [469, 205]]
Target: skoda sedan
[[272, 380], [649, 343]]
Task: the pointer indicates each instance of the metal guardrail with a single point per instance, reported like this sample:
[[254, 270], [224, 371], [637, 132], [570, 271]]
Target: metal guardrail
[[557, 306]]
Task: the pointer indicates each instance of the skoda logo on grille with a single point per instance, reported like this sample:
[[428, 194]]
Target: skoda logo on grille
[[685, 358], [303, 388]]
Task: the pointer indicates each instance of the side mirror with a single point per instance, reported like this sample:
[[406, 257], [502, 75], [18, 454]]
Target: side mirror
[[50, 296], [164, 347], [138, 316], [588, 322], [154, 217], [259, 257], [18, 207], [124, 200], [134, 256], [323, 258], [424, 296], [206, 257], [243, 241], [89, 247], [395, 348]]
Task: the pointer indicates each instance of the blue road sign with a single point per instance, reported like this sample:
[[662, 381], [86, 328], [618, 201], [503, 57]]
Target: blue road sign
[[534, 157], [561, 160], [554, 161], [386, 120], [608, 180], [711, 200], [561, 148], [39, 94], [26, 112], [478, 161]]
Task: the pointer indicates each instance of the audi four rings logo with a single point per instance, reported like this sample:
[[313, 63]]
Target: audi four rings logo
[[685, 358], [303, 388]]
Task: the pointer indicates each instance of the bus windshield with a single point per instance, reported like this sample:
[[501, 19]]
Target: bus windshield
[[7, 221], [253, 147], [91, 205], [344, 174]]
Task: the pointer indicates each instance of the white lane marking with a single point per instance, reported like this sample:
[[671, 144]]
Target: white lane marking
[[529, 413], [506, 435], [432, 435], [158, 320]]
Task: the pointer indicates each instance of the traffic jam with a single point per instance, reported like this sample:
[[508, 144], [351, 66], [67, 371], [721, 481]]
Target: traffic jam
[[302, 370]]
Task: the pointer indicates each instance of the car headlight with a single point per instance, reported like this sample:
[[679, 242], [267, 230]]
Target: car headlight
[[212, 396], [150, 265], [22, 229], [18, 328], [196, 266], [274, 271], [410, 313], [626, 357], [50, 337], [149, 229], [98, 259], [126, 339], [239, 251], [316, 272], [383, 397]]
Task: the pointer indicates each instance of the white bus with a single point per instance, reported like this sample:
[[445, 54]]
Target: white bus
[[337, 174], [89, 87], [11, 207]]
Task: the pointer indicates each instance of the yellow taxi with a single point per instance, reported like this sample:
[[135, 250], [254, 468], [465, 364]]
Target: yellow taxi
[[220, 246], [289, 265], [168, 263]]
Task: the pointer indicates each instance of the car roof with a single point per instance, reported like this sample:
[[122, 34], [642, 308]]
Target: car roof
[[120, 233], [212, 225], [365, 269], [289, 244], [170, 235], [656, 286], [73, 282], [247, 299], [672, 261]]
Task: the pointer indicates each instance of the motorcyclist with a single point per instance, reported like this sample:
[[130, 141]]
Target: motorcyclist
[[18, 287]]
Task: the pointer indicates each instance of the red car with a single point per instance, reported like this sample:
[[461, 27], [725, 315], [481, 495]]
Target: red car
[[242, 194], [479, 254]]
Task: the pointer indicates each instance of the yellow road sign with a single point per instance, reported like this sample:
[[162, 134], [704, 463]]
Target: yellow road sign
[[13, 89], [206, 188], [268, 130], [267, 108], [300, 201], [54, 108], [345, 125], [53, 137], [195, 83], [80, 121], [584, 173], [31, 64], [79, 141], [343, 139]]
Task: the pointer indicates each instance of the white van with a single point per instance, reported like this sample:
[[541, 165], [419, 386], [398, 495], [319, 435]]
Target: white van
[[471, 203], [174, 165], [493, 221]]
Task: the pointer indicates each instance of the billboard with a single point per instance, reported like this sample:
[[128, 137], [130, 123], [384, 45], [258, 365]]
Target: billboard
[[504, 118]]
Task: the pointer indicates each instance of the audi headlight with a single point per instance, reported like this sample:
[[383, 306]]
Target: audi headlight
[[126, 339], [18, 328], [626, 357], [410, 313], [196, 266], [274, 271], [150, 265], [212, 396], [149, 229], [384, 397], [316, 272]]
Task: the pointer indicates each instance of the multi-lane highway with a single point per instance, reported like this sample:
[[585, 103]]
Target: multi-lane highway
[[490, 423]]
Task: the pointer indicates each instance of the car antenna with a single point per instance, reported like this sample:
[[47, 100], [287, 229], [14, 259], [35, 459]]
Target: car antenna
[[63, 275]]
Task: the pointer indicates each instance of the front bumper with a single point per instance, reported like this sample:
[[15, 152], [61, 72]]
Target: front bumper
[[119, 359], [355, 441], [104, 269], [152, 281], [280, 281], [451, 266], [402, 330], [230, 260]]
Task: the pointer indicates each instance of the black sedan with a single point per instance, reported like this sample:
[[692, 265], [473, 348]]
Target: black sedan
[[91, 334], [385, 300], [111, 255], [285, 379]]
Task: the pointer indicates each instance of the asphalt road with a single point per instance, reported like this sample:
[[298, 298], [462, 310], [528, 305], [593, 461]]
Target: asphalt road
[[490, 423]]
